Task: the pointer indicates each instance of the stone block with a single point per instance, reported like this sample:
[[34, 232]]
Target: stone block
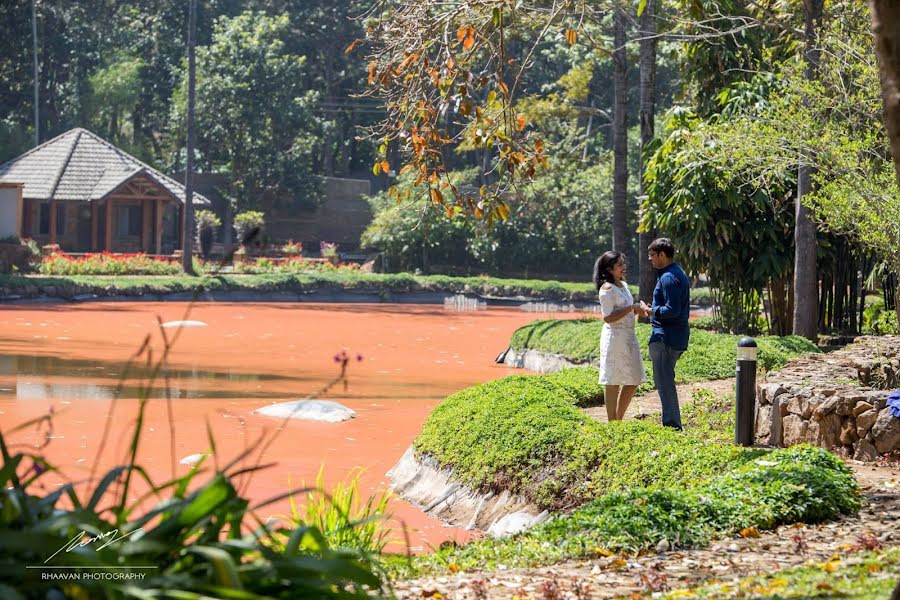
[[825, 431], [848, 432], [864, 450], [826, 408], [766, 392], [861, 407], [886, 432], [795, 429], [763, 424], [799, 406], [864, 421]]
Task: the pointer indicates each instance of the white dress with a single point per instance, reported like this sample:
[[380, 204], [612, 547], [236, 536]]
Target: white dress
[[620, 354]]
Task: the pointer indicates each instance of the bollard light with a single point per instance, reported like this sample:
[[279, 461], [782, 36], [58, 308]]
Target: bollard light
[[745, 392]]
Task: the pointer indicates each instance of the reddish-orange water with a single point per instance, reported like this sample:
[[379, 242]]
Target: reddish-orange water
[[248, 356]]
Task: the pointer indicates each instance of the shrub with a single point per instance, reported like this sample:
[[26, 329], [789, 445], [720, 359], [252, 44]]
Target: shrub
[[877, 320], [328, 249], [292, 248], [798, 484], [246, 222], [525, 433]]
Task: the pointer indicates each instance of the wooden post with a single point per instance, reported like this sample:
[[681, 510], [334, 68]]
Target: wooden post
[[95, 215], [180, 225], [109, 215], [160, 210], [52, 221], [146, 215]]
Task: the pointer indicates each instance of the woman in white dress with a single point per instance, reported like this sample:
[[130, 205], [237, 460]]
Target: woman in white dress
[[621, 368]]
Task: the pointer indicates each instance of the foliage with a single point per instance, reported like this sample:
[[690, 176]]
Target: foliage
[[525, 434], [877, 320], [201, 535], [345, 521], [206, 219], [254, 115], [741, 235], [709, 355], [328, 249], [763, 490], [869, 574], [105, 263], [247, 221], [115, 95], [292, 248], [294, 264]]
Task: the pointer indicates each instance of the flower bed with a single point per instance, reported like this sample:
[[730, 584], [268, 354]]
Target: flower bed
[[105, 263]]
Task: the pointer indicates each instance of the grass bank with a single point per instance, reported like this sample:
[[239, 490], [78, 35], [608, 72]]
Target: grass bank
[[341, 278], [709, 356], [628, 484]]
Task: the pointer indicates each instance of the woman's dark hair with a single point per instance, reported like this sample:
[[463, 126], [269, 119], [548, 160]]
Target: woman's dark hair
[[602, 267], [662, 246]]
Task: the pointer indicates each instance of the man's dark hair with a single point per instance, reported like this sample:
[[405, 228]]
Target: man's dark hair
[[602, 267], [662, 246]]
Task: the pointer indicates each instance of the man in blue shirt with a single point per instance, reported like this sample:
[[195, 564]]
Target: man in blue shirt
[[669, 322]]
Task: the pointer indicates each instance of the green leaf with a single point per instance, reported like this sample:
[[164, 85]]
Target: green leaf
[[641, 6]]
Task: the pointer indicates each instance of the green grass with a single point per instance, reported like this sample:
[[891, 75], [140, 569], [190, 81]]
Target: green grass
[[790, 485], [340, 279], [861, 576], [709, 356], [525, 433]]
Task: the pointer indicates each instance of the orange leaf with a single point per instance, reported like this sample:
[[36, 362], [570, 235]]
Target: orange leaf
[[461, 33], [385, 166], [470, 39], [520, 122], [351, 46], [750, 532], [571, 36], [436, 196], [372, 72]]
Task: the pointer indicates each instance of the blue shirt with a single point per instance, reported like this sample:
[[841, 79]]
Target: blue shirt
[[671, 308]]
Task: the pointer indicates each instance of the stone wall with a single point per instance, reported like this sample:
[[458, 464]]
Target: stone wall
[[836, 400]]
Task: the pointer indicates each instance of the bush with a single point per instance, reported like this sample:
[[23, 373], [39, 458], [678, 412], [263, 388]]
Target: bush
[[798, 484], [525, 433], [877, 320], [246, 222]]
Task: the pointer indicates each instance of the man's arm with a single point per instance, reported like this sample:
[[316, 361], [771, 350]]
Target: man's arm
[[671, 310]]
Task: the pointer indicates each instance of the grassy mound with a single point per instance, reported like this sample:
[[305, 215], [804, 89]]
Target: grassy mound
[[709, 356], [525, 433], [798, 484]]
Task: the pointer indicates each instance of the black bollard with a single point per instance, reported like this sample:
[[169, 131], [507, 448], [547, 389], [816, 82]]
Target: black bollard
[[745, 389]]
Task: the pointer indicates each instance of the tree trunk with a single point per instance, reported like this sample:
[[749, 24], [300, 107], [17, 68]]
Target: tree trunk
[[647, 114], [620, 136], [886, 25], [187, 245], [806, 316]]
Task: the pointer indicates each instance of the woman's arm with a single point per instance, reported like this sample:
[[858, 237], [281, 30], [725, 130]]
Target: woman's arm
[[619, 314]]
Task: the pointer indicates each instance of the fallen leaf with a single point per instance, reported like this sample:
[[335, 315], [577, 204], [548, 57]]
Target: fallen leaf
[[750, 532]]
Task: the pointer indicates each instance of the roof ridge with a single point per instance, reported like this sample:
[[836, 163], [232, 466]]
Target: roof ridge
[[65, 164], [150, 170], [41, 146]]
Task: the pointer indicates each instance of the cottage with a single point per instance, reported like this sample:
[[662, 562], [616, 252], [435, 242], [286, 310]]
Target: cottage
[[85, 194]]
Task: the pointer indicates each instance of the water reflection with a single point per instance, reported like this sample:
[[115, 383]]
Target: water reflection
[[36, 377]]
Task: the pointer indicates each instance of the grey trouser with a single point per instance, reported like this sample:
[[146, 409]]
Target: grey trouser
[[664, 359]]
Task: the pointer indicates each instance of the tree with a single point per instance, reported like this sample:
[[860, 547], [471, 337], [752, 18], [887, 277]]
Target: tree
[[254, 117], [647, 62], [188, 215], [621, 237]]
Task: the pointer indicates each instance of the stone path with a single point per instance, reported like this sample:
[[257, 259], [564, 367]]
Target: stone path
[[621, 576], [649, 403]]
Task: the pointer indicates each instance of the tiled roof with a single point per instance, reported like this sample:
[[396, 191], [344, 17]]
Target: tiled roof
[[79, 165]]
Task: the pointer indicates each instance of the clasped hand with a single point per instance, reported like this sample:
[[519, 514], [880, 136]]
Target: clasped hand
[[641, 309]]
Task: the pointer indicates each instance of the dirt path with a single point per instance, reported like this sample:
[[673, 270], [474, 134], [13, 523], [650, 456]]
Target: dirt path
[[649, 403], [616, 576]]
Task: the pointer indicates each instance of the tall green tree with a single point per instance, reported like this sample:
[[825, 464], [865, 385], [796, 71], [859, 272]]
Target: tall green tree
[[255, 119]]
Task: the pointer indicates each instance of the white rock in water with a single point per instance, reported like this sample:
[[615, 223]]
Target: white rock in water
[[310, 410], [514, 523], [184, 324], [193, 459]]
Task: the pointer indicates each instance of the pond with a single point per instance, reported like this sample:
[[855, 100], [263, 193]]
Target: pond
[[247, 356]]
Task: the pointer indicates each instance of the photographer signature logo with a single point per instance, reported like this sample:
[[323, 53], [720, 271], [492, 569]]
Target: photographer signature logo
[[81, 541], [81, 572]]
